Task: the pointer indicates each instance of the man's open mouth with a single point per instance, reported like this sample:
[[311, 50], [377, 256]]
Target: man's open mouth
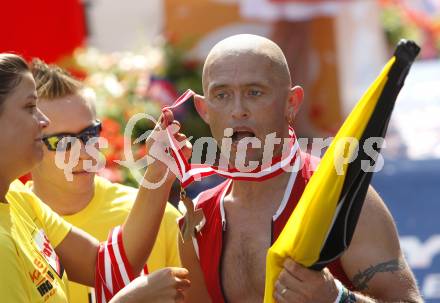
[[241, 134]]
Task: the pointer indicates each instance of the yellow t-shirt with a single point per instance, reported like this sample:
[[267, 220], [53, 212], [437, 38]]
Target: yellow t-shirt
[[30, 270], [109, 207]]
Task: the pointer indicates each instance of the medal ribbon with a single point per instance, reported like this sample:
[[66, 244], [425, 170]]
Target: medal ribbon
[[194, 172]]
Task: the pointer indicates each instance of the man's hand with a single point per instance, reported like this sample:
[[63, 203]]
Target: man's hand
[[299, 284], [163, 286]]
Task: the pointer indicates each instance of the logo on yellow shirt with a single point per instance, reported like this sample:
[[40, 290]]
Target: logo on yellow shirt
[[47, 251]]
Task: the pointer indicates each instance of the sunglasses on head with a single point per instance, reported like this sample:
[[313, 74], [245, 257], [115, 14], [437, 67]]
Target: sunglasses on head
[[63, 141]]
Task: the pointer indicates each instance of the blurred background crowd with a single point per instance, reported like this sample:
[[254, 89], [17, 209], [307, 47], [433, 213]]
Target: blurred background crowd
[[138, 56]]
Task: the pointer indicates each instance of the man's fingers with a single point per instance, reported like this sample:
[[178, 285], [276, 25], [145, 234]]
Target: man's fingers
[[297, 270], [286, 279]]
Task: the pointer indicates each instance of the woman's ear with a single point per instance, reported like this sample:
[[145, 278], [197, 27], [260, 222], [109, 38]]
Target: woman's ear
[[200, 104]]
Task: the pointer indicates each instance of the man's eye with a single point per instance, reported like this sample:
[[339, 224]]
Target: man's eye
[[221, 96], [255, 93]]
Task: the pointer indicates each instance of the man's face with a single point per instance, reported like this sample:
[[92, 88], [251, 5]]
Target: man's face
[[69, 114], [242, 92]]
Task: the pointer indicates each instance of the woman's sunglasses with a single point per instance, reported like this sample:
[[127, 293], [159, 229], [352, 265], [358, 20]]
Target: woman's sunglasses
[[63, 141]]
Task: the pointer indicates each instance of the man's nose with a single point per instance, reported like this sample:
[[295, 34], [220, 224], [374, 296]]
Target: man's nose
[[239, 110]]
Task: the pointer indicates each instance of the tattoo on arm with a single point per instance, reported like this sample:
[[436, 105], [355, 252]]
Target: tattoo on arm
[[361, 279]]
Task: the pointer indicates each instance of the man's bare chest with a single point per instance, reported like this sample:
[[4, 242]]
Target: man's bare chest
[[245, 244]]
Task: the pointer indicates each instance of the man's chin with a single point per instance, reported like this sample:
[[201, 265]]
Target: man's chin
[[250, 163]]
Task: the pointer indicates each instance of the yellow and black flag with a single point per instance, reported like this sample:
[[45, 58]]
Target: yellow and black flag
[[322, 225]]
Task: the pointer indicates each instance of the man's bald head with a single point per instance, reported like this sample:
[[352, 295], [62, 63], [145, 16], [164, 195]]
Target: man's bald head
[[249, 45]]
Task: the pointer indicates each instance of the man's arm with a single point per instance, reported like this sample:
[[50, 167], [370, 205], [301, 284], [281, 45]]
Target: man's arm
[[171, 234], [373, 262], [198, 291]]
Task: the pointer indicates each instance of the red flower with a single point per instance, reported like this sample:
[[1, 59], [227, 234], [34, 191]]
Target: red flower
[[118, 142], [110, 126]]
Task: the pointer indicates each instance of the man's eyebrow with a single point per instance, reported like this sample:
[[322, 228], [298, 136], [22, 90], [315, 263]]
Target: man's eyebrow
[[261, 84], [217, 85]]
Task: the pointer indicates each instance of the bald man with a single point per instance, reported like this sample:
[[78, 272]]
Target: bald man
[[247, 87]]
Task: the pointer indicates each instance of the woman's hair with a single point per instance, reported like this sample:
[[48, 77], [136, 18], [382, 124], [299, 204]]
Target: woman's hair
[[53, 82], [12, 68]]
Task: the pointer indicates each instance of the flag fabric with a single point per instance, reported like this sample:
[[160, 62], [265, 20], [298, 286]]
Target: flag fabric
[[322, 225]]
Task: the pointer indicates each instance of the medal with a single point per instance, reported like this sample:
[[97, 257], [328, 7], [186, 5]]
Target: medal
[[192, 218]]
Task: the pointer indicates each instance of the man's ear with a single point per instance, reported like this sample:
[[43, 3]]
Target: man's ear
[[200, 104], [296, 97]]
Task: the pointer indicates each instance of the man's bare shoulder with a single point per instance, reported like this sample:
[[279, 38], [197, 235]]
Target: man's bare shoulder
[[376, 227]]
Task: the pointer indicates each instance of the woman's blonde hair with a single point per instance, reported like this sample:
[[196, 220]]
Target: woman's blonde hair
[[53, 82]]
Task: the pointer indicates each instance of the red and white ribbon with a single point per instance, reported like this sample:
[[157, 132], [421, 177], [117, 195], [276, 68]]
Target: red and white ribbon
[[191, 172]]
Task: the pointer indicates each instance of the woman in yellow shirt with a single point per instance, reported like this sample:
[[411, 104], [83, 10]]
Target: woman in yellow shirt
[[37, 247], [86, 200]]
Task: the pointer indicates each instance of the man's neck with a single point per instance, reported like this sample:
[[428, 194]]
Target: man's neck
[[250, 193], [61, 201]]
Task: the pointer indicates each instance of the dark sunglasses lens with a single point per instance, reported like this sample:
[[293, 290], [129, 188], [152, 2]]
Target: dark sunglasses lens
[[66, 143], [52, 142], [92, 132], [96, 130], [60, 143]]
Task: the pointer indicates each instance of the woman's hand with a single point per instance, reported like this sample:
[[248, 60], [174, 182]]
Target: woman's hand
[[158, 148], [143, 223], [163, 286]]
